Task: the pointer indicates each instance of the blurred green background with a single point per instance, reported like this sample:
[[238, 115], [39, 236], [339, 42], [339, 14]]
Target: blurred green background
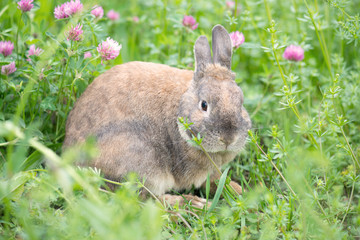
[[300, 168]]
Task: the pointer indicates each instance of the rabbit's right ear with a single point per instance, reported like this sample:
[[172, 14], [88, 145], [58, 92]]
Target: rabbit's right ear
[[202, 55], [222, 46]]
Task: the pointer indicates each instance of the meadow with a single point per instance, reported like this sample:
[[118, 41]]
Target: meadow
[[300, 168]]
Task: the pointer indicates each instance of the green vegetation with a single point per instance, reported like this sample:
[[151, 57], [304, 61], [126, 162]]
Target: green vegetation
[[300, 169]]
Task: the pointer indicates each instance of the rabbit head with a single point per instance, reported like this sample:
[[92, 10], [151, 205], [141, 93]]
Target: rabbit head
[[214, 102]]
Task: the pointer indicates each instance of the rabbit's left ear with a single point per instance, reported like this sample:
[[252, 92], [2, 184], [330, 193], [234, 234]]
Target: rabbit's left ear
[[221, 46], [202, 55]]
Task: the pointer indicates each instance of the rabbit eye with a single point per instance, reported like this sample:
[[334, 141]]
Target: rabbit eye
[[204, 105]]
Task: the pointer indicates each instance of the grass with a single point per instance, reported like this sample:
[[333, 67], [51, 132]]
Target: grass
[[300, 168]]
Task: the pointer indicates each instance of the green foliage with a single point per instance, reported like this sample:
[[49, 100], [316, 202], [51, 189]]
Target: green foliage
[[300, 169]]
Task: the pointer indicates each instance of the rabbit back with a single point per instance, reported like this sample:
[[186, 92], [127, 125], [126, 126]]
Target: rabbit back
[[131, 92]]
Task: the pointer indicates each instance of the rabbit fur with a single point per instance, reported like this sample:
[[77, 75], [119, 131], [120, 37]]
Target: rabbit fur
[[132, 110]]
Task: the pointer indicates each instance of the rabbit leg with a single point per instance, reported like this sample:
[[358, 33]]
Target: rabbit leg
[[183, 200], [236, 187], [124, 151]]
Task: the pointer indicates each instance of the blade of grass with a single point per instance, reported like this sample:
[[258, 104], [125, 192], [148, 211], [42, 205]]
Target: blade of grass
[[219, 189]]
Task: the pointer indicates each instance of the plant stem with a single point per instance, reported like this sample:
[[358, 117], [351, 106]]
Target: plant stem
[[273, 164], [88, 64], [255, 26], [322, 42], [235, 9], [292, 106], [296, 15], [268, 12], [207, 155], [315, 197], [181, 45], [352, 154], [350, 199], [59, 100], [16, 41], [350, 148]]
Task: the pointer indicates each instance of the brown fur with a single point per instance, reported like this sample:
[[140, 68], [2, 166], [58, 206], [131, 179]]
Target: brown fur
[[133, 108]]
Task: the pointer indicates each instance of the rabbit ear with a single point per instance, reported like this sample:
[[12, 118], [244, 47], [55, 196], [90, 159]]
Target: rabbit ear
[[221, 46], [202, 54]]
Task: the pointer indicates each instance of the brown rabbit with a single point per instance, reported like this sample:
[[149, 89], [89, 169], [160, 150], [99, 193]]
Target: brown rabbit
[[133, 110]]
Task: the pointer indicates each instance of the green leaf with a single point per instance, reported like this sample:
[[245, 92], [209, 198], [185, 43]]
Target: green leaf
[[13, 187], [31, 160], [219, 189], [25, 18], [48, 103], [3, 10], [53, 88], [9, 97], [207, 187], [2, 86], [49, 34], [32, 41]]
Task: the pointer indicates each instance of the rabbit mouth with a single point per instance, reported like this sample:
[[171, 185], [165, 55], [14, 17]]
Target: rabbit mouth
[[226, 143], [221, 147]]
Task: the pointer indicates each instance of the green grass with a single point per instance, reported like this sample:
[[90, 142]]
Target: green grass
[[300, 168]]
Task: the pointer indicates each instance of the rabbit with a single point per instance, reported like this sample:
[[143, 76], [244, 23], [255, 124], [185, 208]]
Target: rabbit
[[132, 110]]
